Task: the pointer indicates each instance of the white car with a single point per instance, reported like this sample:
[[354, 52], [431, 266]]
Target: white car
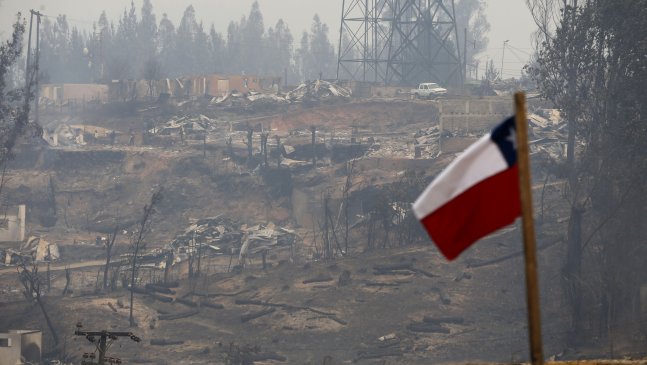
[[428, 90]]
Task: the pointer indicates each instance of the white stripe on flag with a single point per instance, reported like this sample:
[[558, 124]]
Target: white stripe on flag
[[478, 162]]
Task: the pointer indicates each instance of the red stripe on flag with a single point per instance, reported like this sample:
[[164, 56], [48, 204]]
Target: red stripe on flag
[[482, 209]]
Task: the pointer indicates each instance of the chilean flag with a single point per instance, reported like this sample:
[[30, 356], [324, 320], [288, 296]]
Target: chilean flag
[[477, 194]]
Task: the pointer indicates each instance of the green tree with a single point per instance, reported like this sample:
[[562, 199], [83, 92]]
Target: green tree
[[303, 59], [322, 52], [167, 42], [14, 103], [201, 52], [185, 46], [234, 47], [125, 55], [279, 50], [147, 32], [217, 50], [253, 46]]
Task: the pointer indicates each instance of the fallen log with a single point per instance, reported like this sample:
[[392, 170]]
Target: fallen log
[[280, 305], [161, 298], [212, 305], [338, 320], [112, 307], [252, 302], [427, 328], [139, 290], [170, 317], [377, 353], [159, 289], [425, 273], [376, 283], [265, 356], [393, 272], [186, 302], [318, 279], [250, 316], [441, 320], [393, 267], [170, 284], [164, 342], [213, 295], [380, 283]]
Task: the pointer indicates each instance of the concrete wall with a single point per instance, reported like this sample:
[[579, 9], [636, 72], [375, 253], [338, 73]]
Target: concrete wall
[[473, 115], [21, 343], [12, 228]]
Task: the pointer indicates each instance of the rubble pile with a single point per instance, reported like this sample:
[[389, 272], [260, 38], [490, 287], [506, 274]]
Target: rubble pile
[[233, 99], [219, 230], [423, 144], [308, 91], [225, 235], [547, 134], [187, 124], [426, 137], [35, 248], [319, 89]]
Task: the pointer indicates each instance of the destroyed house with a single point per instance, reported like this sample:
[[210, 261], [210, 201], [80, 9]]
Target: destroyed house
[[215, 85], [20, 347], [64, 93], [212, 85], [12, 224]]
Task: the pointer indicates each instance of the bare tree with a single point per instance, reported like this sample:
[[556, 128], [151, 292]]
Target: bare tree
[[33, 283], [138, 243], [250, 147], [350, 171], [110, 242]]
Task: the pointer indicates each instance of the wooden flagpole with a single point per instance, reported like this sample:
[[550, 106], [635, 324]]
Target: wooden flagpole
[[529, 244]]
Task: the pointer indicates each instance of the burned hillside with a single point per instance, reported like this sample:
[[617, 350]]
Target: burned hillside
[[389, 187], [250, 200]]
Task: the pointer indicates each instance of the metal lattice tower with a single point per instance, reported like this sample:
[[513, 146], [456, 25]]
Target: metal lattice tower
[[399, 42]]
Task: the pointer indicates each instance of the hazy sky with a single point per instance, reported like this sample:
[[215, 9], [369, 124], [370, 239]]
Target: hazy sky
[[510, 19]]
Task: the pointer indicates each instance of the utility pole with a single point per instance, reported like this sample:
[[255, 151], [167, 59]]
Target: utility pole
[[465, 57], [105, 340], [313, 130], [505, 43], [31, 21], [32, 70], [37, 69]]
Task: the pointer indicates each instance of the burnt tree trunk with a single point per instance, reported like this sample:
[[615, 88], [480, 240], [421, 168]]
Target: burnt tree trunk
[[313, 129], [250, 135], [572, 269], [67, 280], [109, 244], [167, 268]]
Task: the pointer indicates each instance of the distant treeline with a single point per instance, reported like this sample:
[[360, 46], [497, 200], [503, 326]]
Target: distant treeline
[[140, 47]]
